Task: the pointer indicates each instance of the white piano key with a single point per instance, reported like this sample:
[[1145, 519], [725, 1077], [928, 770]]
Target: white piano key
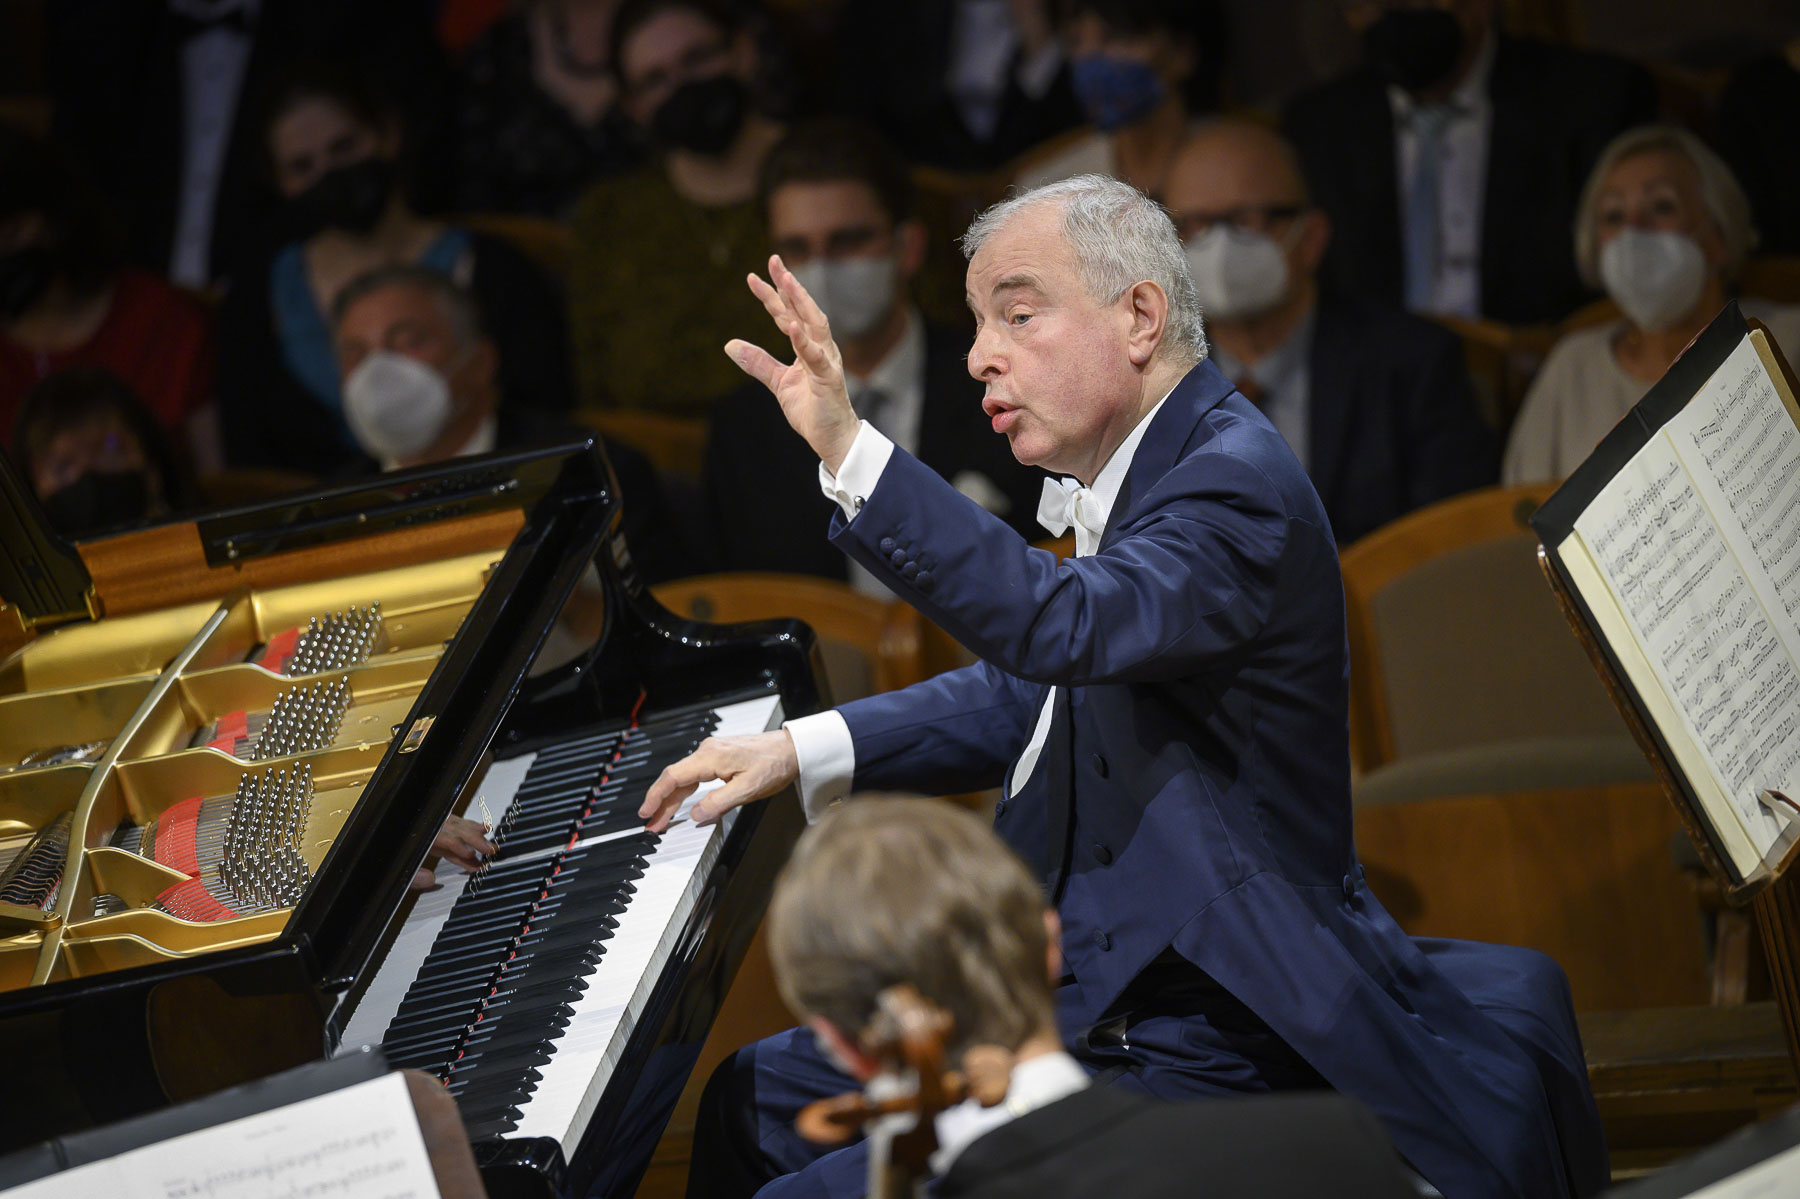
[[584, 1055]]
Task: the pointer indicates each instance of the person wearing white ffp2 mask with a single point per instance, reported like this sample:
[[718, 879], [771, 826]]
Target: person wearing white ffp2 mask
[[418, 378], [1376, 404], [1663, 227]]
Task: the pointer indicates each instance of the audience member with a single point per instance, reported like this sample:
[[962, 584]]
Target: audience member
[[422, 383], [921, 892], [963, 85], [1376, 403], [1757, 109], [94, 455], [1450, 162], [538, 118], [332, 147], [840, 213], [657, 279], [67, 300], [154, 98], [1130, 62], [1664, 229]]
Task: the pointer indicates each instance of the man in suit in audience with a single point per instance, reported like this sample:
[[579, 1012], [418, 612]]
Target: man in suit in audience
[[839, 210], [1375, 403], [924, 893], [964, 85], [421, 385], [1166, 710], [1452, 159]]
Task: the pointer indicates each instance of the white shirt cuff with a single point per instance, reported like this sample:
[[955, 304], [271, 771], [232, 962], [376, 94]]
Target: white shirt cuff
[[827, 756], [859, 471]]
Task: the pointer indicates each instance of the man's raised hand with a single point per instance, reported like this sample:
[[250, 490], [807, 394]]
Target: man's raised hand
[[811, 388], [748, 768]]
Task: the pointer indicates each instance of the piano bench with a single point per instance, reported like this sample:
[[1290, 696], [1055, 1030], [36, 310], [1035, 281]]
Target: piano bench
[[1670, 1081]]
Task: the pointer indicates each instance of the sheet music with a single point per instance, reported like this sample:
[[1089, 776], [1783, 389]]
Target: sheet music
[[1743, 451], [362, 1142], [1704, 632]]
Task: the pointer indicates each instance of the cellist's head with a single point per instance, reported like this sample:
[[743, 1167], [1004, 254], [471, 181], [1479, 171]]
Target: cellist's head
[[912, 891]]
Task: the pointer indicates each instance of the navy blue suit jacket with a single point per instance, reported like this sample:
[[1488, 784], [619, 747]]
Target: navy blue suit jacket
[[1207, 768]]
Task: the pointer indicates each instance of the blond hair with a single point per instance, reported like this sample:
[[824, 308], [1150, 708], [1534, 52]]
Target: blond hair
[[1720, 195], [915, 891]]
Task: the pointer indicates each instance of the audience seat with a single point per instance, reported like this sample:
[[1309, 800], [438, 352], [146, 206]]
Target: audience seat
[[1772, 277], [1455, 638], [867, 645], [548, 243], [675, 445], [248, 484], [1580, 872], [1502, 359]]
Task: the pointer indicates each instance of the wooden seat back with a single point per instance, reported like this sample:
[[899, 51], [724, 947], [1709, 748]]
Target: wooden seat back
[[1455, 640], [869, 645]]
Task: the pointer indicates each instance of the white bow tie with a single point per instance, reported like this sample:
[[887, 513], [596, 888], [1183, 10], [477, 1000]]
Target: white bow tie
[[1066, 502]]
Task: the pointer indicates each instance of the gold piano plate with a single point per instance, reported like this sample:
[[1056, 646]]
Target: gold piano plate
[[135, 690]]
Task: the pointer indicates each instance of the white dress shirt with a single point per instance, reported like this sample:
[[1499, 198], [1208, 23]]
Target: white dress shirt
[[1456, 291], [1037, 1082], [213, 63], [823, 746]]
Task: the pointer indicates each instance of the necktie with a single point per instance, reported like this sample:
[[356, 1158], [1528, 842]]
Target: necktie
[[1428, 122], [1066, 502]]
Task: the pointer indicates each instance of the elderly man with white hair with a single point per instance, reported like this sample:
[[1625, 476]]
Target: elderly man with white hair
[[1166, 714]]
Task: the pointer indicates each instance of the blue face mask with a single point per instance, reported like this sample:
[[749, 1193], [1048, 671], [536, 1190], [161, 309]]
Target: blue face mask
[[1115, 91]]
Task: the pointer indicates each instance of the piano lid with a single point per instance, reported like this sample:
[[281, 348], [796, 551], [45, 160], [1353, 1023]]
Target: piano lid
[[42, 579]]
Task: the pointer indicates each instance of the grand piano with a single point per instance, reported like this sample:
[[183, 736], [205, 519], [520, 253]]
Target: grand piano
[[227, 743]]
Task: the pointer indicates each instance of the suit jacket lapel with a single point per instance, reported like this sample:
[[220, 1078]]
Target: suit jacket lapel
[[1198, 393]]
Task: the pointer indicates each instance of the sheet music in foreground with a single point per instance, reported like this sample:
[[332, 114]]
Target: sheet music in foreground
[[1695, 539], [362, 1142]]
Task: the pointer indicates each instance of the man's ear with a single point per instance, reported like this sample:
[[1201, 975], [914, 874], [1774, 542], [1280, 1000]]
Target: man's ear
[[910, 241], [1053, 959], [1148, 310], [844, 1053]]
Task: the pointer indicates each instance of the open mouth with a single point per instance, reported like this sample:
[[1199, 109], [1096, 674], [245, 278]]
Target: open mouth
[[1002, 414]]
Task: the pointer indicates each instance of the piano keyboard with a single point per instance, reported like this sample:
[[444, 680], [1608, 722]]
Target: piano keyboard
[[520, 985]]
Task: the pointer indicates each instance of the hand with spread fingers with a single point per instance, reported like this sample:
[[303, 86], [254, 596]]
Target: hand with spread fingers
[[811, 388], [748, 768]]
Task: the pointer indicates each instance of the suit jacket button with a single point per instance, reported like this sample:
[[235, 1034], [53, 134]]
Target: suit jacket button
[[999, 809], [887, 545], [1349, 887], [1099, 764], [923, 582], [910, 571], [896, 555], [1102, 854], [1102, 940]]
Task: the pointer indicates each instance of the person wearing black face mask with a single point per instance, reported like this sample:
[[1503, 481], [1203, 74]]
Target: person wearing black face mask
[[1451, 160], [333, 154], [652, 306], [94, 456]]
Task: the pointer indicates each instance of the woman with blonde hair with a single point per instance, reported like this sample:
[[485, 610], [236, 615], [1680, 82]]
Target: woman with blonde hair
[[1664, 228]]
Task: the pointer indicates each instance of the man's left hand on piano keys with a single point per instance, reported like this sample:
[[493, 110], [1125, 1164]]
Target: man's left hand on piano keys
[[463, 842]]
